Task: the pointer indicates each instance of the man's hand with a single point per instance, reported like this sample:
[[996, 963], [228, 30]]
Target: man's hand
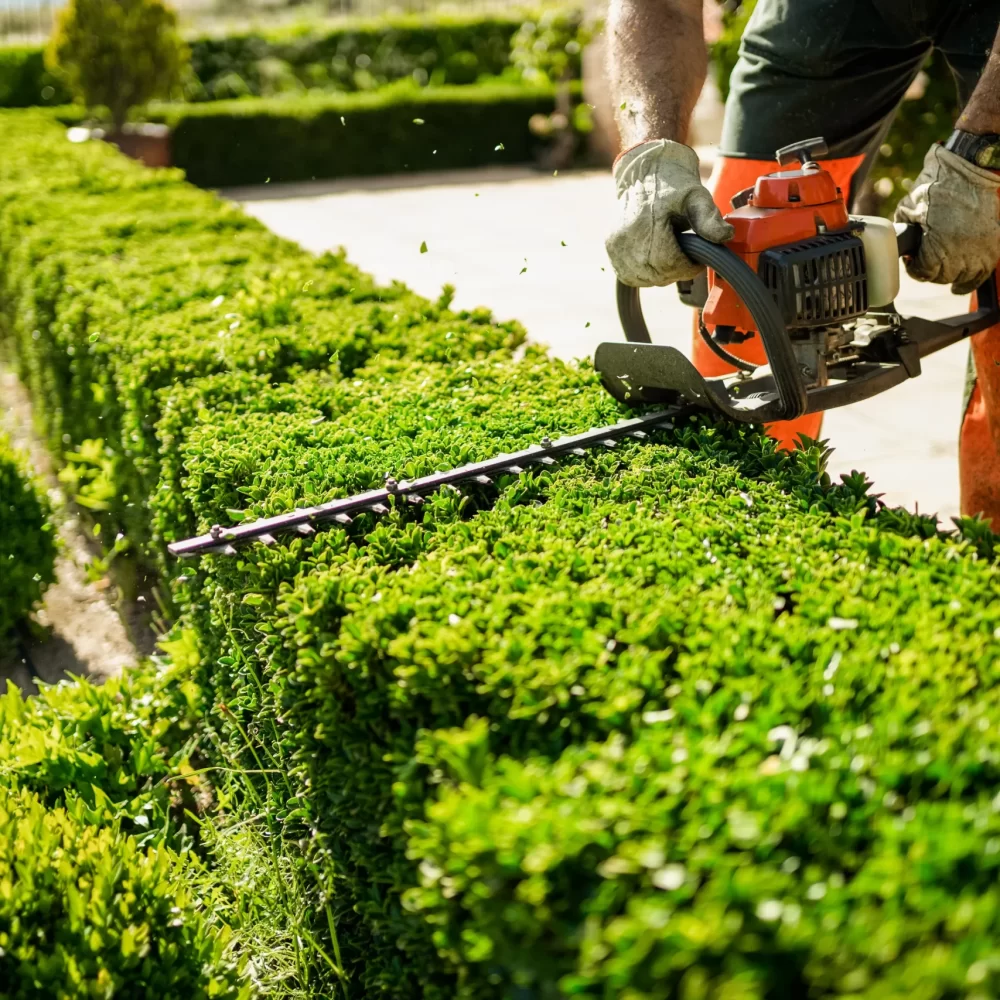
[[957, 205], [659, 188]]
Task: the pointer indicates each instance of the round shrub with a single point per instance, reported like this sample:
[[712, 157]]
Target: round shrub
[[27, 540], [118, 55]]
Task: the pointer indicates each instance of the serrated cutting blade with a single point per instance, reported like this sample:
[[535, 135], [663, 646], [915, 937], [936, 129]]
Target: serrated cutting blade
[[304, 521]]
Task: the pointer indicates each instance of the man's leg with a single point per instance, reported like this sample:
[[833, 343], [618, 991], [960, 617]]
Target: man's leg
[[810, 68], [964, 45]]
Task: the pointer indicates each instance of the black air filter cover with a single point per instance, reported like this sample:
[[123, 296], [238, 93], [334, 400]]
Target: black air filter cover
[[821, 281]]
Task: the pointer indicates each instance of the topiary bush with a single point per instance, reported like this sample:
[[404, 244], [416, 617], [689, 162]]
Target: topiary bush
[[677, 719], [117, 55], [27, 539]]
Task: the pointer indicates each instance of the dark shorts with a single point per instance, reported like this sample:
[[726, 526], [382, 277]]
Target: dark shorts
[[840, 68]]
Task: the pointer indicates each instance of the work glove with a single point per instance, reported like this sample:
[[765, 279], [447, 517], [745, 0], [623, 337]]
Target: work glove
[[659, 189], [957, 205]]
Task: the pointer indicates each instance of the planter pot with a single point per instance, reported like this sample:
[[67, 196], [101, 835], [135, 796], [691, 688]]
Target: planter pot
[[145, 142], [149, 144]]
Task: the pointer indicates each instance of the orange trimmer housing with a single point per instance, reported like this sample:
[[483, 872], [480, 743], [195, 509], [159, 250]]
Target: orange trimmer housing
[[784, 207]]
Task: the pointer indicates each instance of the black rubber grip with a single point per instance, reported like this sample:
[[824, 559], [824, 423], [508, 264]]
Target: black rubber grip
[[908, 238], [754, 295]]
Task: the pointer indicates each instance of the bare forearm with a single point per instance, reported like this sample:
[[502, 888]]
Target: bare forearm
[[982, 114], [657, 64]]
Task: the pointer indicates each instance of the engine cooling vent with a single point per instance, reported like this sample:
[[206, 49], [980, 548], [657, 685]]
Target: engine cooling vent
[[818, 282]]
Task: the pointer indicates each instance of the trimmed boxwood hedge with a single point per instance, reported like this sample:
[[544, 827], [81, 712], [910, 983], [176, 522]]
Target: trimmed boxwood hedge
[[27, 539], [358, 55], [679, 719], [393, 130], [398, 129]]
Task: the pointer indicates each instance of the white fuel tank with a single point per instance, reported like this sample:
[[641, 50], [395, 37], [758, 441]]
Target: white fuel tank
[[881, 258]]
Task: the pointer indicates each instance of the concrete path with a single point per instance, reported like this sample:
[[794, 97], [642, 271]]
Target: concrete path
[[531, 246]]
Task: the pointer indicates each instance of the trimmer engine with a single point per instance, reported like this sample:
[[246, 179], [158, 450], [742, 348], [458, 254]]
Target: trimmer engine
[[814, 283], [793, 229]]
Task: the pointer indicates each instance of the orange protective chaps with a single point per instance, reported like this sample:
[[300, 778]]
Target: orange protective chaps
[[979, 440]]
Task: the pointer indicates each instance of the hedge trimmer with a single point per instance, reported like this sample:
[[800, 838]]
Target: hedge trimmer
[[815, 284]]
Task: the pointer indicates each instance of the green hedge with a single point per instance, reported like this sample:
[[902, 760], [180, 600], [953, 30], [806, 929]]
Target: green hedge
[[393, 130], [441, 49], [27, 539], [24, 80], [86, 912], [437, 49], [680, 719], [100, 893]]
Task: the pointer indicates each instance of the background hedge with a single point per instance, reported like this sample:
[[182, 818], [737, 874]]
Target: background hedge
[[678, 719], [24, 80], [393, 130], [439, 49], [27, 539], [398, 129]]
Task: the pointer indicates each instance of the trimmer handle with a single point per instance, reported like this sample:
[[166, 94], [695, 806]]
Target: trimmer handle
[[788, 384], [908, 238]]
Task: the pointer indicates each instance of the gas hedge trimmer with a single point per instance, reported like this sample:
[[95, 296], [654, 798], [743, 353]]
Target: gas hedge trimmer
[[815, 284]]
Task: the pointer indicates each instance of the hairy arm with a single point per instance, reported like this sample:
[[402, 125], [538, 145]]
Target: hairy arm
[[982, 114], [657, 63]]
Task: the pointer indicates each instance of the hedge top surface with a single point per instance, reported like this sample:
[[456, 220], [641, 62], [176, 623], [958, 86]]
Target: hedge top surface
[[402, 94]]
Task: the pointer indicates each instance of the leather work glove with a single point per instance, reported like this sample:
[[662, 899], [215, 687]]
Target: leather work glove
[[956, 203], [659, 187]]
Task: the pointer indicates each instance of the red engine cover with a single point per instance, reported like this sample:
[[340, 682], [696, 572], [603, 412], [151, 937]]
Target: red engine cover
[[785, 207]]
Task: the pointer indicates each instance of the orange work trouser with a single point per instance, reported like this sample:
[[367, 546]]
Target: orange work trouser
[[979, 440]]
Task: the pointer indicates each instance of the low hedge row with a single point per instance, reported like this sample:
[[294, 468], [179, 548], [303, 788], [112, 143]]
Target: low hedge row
[[393, 130], [678, 719], [441, 49], [27, 539]]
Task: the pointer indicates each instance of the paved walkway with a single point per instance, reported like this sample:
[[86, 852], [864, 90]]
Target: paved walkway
[[531, 246]]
